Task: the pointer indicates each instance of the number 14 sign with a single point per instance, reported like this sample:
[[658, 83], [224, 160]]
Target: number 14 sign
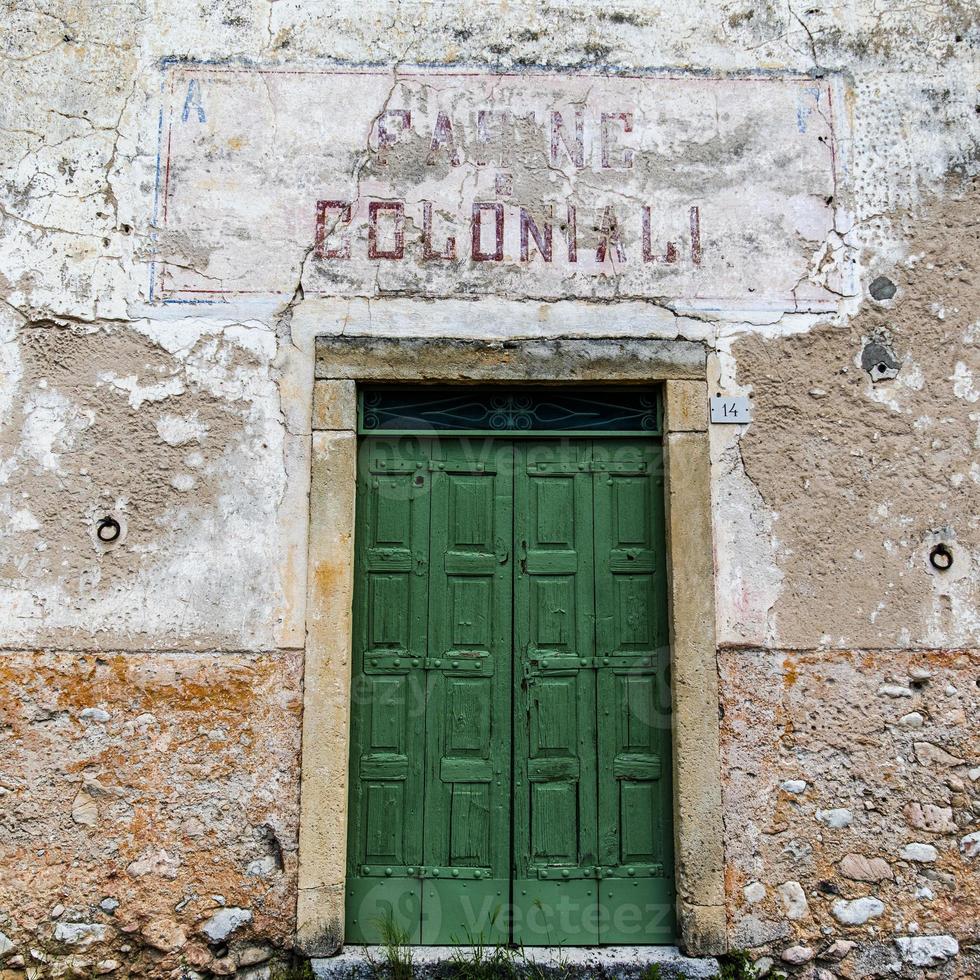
[[731, 409]]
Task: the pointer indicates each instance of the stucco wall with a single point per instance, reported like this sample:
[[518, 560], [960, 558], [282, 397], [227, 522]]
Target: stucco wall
[[150, 690]]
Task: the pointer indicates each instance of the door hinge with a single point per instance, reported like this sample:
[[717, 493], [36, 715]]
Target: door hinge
[[400, 662], [567, 874], [628, 468], [550, 664], [424, 871], [467, 664], [602, 871], [440, 465]]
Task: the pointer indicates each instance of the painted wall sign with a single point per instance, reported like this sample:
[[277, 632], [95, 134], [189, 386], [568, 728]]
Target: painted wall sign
[[705, 192]]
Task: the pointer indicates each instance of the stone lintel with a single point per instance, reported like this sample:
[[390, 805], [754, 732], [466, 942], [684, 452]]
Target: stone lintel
[[440, 359]]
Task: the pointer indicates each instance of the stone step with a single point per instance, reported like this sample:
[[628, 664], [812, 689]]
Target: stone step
[[537, 963]]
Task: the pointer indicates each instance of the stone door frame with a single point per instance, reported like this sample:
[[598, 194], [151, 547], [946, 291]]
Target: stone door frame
[[679, 365]]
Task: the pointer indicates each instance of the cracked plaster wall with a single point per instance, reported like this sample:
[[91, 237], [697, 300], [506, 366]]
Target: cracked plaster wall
[[150, 690]]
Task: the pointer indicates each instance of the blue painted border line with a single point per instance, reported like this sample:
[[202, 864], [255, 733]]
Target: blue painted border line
[[156, 201]]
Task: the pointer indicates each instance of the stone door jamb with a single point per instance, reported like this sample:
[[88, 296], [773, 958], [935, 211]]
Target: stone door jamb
[[342, 363]]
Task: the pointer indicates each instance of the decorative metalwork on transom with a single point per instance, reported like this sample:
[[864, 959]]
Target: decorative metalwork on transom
[[516, 411]]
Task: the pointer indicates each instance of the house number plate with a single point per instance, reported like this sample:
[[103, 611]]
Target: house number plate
[[731, 409]]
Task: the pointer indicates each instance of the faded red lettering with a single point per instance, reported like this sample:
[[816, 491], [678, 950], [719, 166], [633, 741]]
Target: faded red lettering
[[319, 240], [448, 251], [670, 252], [397, 251], [477, 241], [609, 236], [487, 135], [559, 138], [387, 136], [442, 135], [503, 183], [607, 140], [542, 239], [571, 233]]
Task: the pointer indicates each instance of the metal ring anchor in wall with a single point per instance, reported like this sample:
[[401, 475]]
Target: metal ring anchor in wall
[[108, 530]]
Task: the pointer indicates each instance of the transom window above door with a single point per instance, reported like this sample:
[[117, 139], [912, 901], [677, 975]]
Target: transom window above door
[[486, 409]]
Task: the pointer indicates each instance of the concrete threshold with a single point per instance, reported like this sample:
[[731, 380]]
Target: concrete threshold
[[536, 963]]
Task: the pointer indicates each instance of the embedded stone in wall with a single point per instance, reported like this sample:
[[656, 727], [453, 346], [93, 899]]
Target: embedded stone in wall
[[929, 816], [858, 911], [707, 191], [926, 951], [857, 867]]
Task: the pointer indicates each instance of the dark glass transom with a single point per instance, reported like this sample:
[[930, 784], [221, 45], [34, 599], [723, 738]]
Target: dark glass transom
[[493, 409]]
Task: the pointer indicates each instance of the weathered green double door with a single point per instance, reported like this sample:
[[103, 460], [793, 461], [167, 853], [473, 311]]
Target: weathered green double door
[[509, 772]]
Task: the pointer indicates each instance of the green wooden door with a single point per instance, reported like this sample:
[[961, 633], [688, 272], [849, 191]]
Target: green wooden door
[[387, 692], [429, 836], [592, 831], [510, 730]]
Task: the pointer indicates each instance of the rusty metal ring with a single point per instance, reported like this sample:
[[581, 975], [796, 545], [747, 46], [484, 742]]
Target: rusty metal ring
[[941, 557], [108, 530]]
